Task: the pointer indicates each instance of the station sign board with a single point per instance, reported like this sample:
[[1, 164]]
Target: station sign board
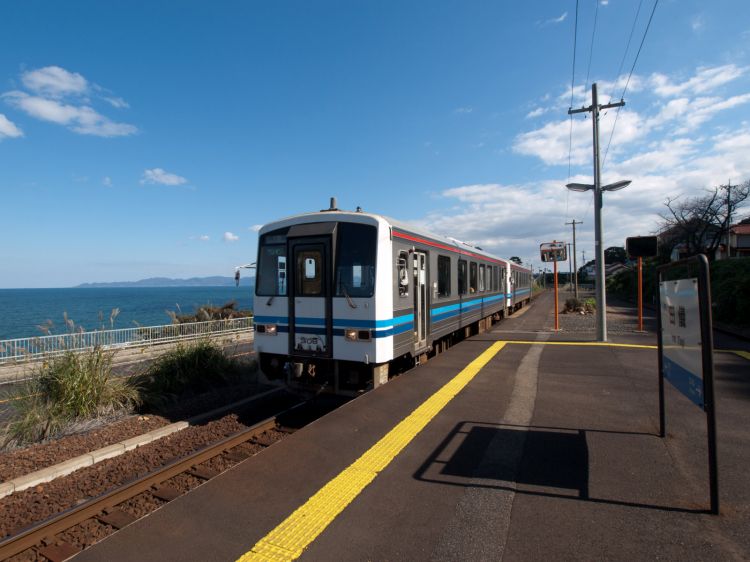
[[682, 352], [641, 246], [553, 251], [685, 337]]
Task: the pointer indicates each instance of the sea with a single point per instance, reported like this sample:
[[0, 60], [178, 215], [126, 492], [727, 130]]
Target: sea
[[24, 311]]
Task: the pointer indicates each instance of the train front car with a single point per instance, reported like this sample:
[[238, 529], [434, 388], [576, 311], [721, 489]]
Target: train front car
[[318, 322]]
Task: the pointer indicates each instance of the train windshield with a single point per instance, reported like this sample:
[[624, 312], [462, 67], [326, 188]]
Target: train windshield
[[272, 273], [355, 260]]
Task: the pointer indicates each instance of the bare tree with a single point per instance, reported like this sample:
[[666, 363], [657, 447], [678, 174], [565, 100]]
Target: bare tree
[[701, 223]]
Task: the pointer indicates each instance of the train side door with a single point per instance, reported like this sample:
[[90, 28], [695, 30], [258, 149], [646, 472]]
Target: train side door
[[421, 310], [310, 328]]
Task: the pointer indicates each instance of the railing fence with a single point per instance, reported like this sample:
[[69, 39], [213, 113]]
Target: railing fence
[[37, 348]]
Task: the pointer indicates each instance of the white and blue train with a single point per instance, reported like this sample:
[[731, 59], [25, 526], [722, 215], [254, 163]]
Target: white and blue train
[[342, 296]]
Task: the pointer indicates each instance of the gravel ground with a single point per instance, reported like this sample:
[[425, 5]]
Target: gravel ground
[[20, 462], [36, 504], [622, 318]]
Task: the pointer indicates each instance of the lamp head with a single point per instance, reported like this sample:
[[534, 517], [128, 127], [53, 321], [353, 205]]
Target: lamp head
[[618, 185], [579, 186]]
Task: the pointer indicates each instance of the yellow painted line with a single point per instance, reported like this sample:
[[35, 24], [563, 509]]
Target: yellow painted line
[[296, 532], [586, 344], [743, 354]]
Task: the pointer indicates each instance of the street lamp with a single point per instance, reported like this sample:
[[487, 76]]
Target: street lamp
[[601, 300]]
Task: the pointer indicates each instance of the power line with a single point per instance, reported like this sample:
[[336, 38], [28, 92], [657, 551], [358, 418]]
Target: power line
[[627, 46], [627, 83], [591, 49], [572, 85]]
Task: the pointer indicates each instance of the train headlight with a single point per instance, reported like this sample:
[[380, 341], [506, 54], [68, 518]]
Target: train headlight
[[268, 329], [352, 334]]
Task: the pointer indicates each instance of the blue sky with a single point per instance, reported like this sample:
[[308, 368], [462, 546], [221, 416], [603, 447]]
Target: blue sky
[[146, 139]]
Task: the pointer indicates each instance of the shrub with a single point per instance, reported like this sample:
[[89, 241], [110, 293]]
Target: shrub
[[72, 387], [188, 369], [208, 312]]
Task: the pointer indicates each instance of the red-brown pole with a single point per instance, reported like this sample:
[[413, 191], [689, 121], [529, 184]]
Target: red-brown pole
[[557, 326], [640, 294]]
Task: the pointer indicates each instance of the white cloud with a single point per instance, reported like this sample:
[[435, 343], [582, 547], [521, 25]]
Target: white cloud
[[514, 219], [229, 237], [204, 237], [704, 80], [8, 129], [663, 143], [551, 142], [54, 81], [256, 227], [559, 19], [536, 112], [119, 103], [161, 176], [107, 181], [464, 110], [63, 97], [78, 118], [697, 23]]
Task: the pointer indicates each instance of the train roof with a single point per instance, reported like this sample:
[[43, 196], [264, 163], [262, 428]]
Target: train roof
[[381, 220]]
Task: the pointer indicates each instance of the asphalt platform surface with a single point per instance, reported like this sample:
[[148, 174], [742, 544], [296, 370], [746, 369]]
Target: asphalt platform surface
[[550, 452]]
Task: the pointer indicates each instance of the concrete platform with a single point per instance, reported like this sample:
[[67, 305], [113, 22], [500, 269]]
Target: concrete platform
[[548, 452]]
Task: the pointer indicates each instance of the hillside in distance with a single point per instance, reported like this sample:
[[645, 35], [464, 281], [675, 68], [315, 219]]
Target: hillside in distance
[[213, 281]]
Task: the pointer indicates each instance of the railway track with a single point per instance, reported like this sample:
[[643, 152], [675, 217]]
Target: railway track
[[98, 517]]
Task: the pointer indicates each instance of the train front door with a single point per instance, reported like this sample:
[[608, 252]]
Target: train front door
[[310, 326], [421, 309]]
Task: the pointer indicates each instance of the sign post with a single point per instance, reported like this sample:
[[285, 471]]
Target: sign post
[[686, 348], [554, 251], [641, 247]]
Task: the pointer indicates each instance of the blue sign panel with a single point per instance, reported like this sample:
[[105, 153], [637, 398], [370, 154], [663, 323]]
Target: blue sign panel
[[684, 381]]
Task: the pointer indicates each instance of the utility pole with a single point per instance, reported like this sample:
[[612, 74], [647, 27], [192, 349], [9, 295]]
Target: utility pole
[[575, 265], [601, 298], [729, 218]]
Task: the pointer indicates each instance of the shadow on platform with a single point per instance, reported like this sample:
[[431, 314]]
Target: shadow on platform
[[541, 461]]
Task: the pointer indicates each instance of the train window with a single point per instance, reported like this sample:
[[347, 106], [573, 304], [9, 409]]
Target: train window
[[309, 273], [271, 275], [461, 277], [472, 277], [481, 277], [355, 260], [402, 274], [488, 278], [444, 276]]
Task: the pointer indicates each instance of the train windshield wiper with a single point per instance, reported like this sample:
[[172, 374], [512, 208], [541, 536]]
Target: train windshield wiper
[[348, 298]]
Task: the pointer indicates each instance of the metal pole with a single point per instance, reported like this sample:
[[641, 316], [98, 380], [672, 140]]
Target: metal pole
[[570, 269], [708, 382], [601, 298], [660, 343], [640, 294], [557, 325], [575, 264]]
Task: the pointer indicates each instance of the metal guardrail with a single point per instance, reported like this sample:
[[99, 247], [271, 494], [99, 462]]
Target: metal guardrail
[[20, 350]]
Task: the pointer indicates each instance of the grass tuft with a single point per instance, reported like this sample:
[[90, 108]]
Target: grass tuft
[[66, 389], [187, 370]]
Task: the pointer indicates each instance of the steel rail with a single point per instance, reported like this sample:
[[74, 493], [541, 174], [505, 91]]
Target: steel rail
[[34, 535]]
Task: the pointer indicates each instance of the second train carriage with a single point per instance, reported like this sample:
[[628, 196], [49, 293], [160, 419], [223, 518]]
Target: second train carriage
[[340, 295]]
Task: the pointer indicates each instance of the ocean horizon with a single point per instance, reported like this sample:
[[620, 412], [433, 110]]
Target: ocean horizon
[[24, 311]]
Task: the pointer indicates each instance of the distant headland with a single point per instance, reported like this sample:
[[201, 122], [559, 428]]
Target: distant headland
[[214, 281]]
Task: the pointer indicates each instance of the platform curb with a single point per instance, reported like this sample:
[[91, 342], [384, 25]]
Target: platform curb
[[110, 451]]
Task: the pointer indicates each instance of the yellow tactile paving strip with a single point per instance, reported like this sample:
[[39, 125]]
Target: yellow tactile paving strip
[[289, 539]]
